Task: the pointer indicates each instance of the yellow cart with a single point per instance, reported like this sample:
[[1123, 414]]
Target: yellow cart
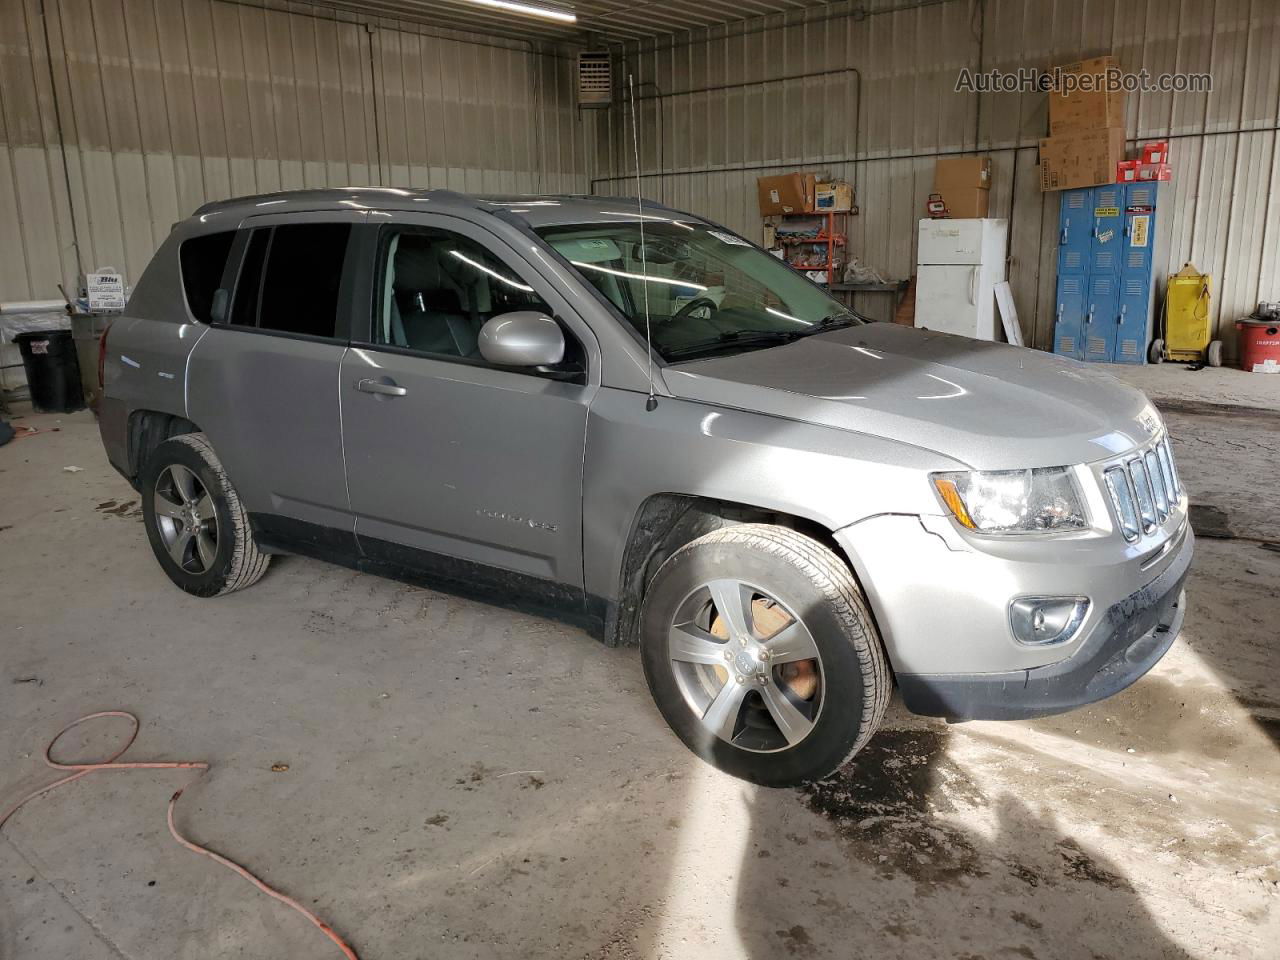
[[1185, 335]]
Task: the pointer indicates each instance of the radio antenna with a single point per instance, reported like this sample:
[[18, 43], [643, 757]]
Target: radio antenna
[[652, 402]]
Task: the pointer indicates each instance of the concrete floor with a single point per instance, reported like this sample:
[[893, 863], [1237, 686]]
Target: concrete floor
[[465, 781]]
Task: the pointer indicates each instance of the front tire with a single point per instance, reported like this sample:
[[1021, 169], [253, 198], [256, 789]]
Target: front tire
[[199, 530], [762, 656]]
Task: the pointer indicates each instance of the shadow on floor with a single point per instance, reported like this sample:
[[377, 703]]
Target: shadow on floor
[[1017, 886]]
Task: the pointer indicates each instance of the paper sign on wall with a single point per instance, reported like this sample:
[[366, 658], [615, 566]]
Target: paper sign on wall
[[105, 289], [1138, 230]]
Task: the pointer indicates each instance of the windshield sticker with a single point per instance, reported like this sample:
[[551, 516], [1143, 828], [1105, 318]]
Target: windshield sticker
[[728, 238], [587, 249]]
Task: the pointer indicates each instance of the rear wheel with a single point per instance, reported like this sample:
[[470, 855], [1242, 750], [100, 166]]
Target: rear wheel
[[762, 656], [197, 526]]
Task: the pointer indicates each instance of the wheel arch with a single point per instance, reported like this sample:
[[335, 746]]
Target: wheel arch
[[147, 429], [663, 524]]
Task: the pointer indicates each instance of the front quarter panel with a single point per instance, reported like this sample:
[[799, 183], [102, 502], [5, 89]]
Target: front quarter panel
[[831, 477]]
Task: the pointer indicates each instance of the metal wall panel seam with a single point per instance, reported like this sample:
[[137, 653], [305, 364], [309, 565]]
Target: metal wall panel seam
[[20, 221], [62, 146], [74, 128]]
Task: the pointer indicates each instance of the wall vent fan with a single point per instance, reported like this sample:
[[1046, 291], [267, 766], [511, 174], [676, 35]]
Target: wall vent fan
[[595, 80]]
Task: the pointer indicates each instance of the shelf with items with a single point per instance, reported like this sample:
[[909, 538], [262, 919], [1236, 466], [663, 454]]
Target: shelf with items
[[813, 242]]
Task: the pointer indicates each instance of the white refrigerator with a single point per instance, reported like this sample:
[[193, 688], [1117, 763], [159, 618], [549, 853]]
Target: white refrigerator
[[959, 264]]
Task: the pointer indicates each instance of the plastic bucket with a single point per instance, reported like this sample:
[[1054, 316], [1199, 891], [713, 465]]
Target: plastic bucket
[[53, 373]]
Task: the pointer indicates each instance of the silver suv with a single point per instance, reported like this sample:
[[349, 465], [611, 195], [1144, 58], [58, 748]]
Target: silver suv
[[788, 508]]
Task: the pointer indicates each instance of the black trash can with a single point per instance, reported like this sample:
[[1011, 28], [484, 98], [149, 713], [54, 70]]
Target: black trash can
[[53, 373]]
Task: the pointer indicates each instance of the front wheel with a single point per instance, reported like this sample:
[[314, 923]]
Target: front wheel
[[762, 656], [197, 526]]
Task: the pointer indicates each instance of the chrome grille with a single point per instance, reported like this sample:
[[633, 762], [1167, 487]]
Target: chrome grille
[[1143, 488], [1157, 484], [1146, 499]]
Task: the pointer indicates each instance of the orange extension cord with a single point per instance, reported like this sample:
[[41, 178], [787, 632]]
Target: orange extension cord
[[84, 769]]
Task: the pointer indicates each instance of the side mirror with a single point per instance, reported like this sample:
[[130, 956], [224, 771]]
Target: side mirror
[[522, 338]]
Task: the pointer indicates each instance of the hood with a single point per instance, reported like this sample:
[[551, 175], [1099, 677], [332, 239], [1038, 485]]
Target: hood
[[990, 406]]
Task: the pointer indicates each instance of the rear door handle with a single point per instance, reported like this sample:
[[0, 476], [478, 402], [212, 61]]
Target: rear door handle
[[380, 388]]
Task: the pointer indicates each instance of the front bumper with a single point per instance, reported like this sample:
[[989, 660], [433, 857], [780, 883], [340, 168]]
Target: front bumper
[[953, 654], [1134, 635]]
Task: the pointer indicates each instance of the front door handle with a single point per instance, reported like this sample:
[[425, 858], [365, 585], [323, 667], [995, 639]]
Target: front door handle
[[380, 388]]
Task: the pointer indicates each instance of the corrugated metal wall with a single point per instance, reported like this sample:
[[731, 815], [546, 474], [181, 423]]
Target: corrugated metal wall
[[871, 99], [160, 105]]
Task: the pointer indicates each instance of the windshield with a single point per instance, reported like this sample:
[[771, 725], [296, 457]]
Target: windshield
[[708, 291]]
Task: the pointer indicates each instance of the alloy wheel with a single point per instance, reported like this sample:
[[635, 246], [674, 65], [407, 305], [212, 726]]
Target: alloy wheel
[[747, 665], [186, 518]]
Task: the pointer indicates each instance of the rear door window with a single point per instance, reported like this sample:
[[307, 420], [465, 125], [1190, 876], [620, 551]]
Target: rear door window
[[244, 312], [203, 260], [291, 279]]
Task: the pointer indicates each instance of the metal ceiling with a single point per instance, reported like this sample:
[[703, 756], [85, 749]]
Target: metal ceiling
[[612, 20]]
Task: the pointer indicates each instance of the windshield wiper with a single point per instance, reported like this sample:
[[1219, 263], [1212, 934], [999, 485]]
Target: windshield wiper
[[732, 339], [845, 318]]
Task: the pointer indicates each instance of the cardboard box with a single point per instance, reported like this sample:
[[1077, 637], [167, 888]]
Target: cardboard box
[[1156, 152], [1155, 171], [1081, 159], [1082, 110], [960, 172], [967, 203], [964, 183], [1127, 171], [789, 193], [836, 196]]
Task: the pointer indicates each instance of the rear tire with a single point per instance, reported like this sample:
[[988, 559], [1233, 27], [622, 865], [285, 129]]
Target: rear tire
[[798, 718], [199, 530]]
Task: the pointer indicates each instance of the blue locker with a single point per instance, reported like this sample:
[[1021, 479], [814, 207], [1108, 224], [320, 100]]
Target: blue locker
[[1133, 325], [1105, 272], [1075, 243], [1069, 331], [1075, 233], [1100, 319], [1108, 229]]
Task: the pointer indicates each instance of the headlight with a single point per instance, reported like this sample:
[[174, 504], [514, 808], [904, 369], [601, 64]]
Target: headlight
[[1013, 501]]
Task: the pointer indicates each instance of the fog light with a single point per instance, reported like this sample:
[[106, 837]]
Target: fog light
[[1040, 621]]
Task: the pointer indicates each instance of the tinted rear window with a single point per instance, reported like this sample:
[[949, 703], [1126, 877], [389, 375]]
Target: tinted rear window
[[203, 260], [302, 277]]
